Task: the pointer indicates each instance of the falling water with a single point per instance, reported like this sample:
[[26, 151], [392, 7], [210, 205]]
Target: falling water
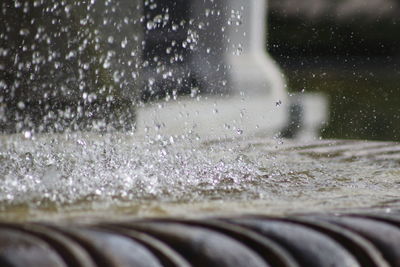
[[71, 81]]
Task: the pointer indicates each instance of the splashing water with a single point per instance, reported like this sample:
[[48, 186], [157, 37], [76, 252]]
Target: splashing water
[[81, 61], [89, 171]]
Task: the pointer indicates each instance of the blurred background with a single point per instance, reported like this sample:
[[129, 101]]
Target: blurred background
[[348, 50]]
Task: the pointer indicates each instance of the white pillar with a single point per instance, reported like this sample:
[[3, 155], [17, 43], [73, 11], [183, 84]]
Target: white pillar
[[252, 69], [232, 46], [240, 83]]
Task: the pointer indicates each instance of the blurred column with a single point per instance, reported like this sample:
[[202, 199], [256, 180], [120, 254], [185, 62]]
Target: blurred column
[[215, 52], [252, 69], [217, 46], [232, 51]]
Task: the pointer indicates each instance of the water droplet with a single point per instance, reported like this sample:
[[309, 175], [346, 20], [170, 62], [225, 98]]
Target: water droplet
[[28, 134], [83, 21], [151, 81], [239, 50], [150, 25], [67, 10], [24, 32], [124, 43], [21, 105], [106, 64], [116, 76], [194, 91]]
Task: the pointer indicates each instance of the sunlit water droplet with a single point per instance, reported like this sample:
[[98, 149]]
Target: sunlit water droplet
[[28, 134], [106, 64], [124, 42], [150, 25], [21, 105], [24, 32]]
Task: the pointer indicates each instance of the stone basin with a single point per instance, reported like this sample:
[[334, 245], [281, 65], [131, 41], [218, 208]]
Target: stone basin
[[80, 200]]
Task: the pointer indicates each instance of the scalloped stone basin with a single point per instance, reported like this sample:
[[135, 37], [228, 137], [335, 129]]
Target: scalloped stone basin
[[53, 177]]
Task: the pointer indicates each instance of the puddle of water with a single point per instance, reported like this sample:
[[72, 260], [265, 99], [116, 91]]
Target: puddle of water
[[69, 175]]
